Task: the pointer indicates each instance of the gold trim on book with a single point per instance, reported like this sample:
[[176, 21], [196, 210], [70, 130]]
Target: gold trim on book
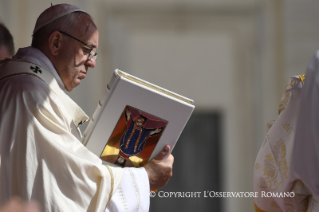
[[154, 87]]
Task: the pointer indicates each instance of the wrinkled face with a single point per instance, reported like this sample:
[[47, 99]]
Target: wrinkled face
[[73, 62]]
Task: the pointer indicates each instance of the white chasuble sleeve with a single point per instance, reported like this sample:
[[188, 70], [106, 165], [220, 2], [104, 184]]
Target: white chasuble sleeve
[[133, 192], [40, 158], [278, 186]]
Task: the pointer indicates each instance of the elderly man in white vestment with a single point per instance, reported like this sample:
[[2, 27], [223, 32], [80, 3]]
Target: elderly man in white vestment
[[286, 174], [41, 154]]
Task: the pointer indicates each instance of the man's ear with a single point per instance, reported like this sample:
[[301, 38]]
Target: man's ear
[[55, 42]]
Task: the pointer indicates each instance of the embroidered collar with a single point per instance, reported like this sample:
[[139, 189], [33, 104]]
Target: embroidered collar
[[77, 114]]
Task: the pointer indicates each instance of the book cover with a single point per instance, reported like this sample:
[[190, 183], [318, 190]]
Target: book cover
[[134, 120]]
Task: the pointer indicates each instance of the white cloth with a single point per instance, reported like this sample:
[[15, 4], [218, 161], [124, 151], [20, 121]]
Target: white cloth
[[288, 161], [42, 158], [129, 196], [35, 56], [274, 171]]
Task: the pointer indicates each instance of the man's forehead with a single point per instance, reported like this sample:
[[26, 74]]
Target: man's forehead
[[89, 35]]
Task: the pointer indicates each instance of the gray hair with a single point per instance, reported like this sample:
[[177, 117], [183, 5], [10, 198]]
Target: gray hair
[[6, 39], [67, 23]]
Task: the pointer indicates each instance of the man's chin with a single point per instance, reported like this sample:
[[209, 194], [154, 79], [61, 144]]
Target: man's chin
[[71, 87], [68, 89]]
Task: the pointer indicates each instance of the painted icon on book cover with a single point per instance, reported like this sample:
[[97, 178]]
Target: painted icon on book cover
[[133, 138]]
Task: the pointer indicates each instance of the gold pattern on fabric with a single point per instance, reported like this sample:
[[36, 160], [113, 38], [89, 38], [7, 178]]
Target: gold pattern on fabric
[[275, 205], [257, 166], [287, 93], [130, 137], [138, 139], [258, 209], [301, 201], [275, 164], [284, 100], [287, 127], [112, 185], [302, 78], [300, 188]]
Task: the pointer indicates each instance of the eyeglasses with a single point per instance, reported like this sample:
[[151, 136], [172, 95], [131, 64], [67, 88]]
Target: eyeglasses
[[92, 52]]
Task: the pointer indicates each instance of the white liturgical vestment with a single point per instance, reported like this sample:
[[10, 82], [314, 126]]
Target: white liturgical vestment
[[41, 154], [273, 163], [286, 172]]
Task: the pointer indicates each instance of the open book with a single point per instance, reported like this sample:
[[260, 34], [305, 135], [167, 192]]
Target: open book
[[134, 120]]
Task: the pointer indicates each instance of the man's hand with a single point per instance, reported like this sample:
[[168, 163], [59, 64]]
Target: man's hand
[[158, 170], [17, 205]]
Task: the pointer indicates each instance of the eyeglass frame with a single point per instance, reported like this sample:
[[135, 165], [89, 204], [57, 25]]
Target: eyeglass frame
[[86, 45]]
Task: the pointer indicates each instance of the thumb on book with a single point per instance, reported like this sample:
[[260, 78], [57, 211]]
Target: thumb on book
[[163, 153]]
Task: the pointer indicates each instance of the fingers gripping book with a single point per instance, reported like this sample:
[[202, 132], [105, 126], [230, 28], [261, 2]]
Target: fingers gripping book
[[134, 120]]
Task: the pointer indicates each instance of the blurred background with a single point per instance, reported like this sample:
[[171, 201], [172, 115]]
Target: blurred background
[[232, 57]]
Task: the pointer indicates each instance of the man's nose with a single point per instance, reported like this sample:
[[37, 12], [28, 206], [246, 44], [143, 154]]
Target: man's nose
[[91, 62]]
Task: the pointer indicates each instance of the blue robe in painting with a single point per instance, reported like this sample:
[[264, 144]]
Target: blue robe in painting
[[135, 144]]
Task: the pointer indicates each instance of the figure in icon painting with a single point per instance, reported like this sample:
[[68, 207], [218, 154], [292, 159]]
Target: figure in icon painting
[[140, 128]]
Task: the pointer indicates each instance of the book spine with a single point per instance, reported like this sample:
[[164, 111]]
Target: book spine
[[100, 106]]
